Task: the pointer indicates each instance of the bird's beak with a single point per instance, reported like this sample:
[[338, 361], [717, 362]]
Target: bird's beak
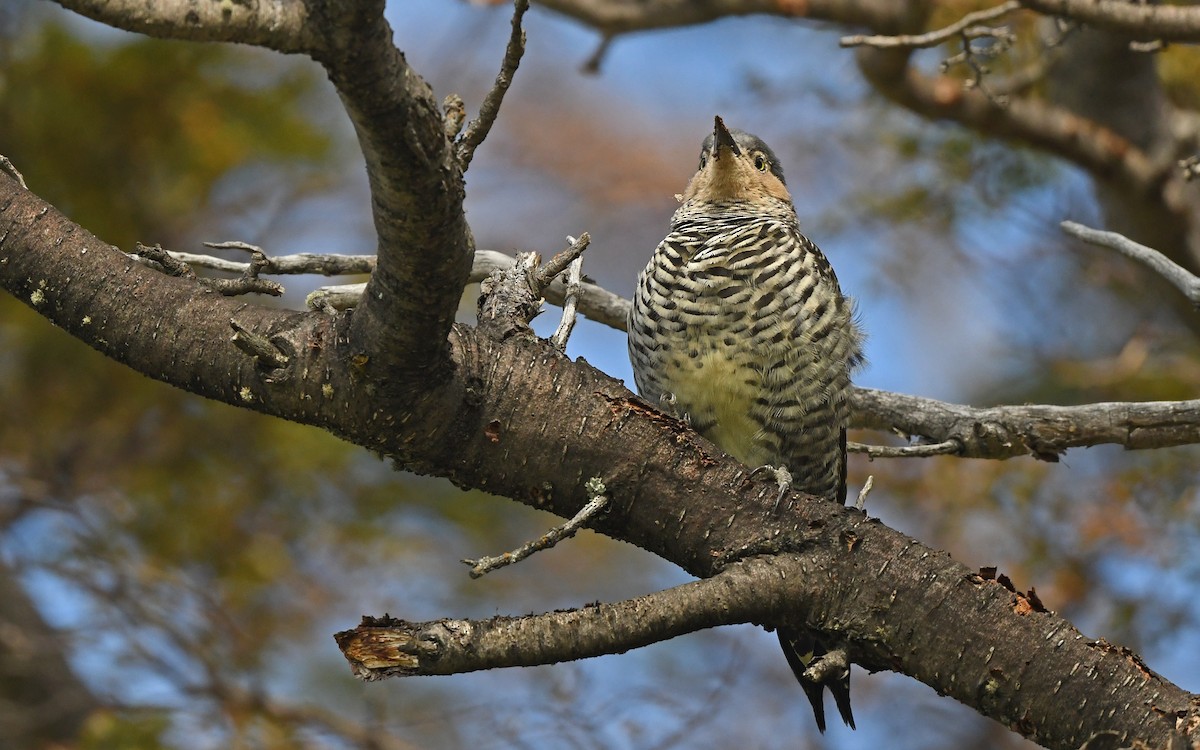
[[722, 139]]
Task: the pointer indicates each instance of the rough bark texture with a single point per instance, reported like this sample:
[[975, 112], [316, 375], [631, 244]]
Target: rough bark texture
[[519, 419], [494, 408]]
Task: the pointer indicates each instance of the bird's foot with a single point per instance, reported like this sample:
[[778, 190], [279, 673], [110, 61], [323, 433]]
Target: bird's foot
[[670, 406], [782, 476]]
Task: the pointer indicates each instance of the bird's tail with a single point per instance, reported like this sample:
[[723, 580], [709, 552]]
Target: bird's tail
[[803, 648]]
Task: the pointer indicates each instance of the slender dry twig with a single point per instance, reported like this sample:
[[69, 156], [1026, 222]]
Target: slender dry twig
[[1179, 276], [596, 503], [556, 265], [319, 264], [594, 301], [574, 275], [932, 38], [478, 129], [248, 283], [1043, 431], [944, 448], [591, 66], [7, 167], [861, 503]]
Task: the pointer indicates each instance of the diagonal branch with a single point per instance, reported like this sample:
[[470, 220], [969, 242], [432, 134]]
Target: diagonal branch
[[479, 128], [1183, 279]]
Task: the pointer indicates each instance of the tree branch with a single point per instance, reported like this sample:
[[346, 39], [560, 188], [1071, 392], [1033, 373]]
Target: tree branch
[[478, 129], [1041, 431], [1056, 130], [1031, 669], [932, 38], [386, 647], [488, 422], [1183, 280], [283, 25], [1172, 23], [613, 17], [301, 263]]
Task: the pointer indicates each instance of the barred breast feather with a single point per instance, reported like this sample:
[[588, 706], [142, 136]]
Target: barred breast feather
[[738, 321]]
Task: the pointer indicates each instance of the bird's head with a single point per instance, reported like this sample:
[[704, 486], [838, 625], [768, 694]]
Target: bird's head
[[736, 166]]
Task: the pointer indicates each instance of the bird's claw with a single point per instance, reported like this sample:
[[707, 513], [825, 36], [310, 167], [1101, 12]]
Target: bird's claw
[[668, 404], [782, 476]]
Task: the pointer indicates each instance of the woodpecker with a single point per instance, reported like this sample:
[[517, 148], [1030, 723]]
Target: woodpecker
[[738, 325]]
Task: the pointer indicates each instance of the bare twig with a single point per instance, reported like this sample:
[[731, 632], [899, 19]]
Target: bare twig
[[591, 66], [973, 56], [596, 503], [594, 302], [7, 167], [1179, 276], [862, 494], [946, 447], [968, 29], [933, 38], [559, 262], [248, 283], [574, 275], [481, 125]]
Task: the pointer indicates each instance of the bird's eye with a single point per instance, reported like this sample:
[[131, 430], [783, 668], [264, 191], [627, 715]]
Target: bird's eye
[[760, 162], [703, 160]]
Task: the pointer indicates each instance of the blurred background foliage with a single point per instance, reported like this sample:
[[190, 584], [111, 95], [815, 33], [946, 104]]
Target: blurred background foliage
[[195, 558]]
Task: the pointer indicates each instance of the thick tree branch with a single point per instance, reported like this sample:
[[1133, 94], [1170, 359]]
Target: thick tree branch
[[613, 17], [487, 425], [425, 246], [1172, 23], [283, 25]]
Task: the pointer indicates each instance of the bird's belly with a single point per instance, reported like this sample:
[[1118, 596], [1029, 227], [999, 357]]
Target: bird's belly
[[718, 394]]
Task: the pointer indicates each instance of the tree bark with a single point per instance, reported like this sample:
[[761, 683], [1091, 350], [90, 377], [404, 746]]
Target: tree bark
[[517, 418]]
